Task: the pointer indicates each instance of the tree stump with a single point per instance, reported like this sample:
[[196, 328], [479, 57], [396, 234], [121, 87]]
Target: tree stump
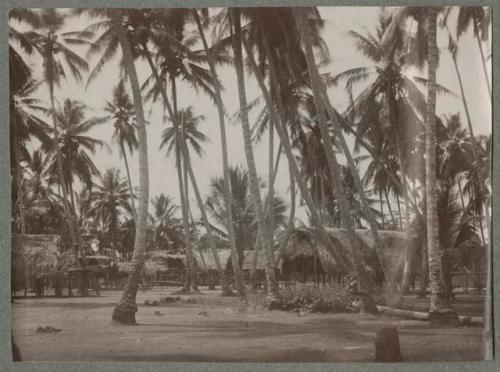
[[387, 347], [16, 355]]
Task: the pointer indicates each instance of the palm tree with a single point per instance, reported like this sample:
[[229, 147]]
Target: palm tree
[[74, 146], [109, 200], [264, 237], [24, 124], [188, 123], [244, 221], [316, 85], [54, 50], [211, 59], [279, 124], [439, 302], [121, 111], [177, 60], [126, 308], [166, 225], [480, 17]]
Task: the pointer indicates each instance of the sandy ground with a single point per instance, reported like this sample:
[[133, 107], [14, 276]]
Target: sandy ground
[[211, 328]]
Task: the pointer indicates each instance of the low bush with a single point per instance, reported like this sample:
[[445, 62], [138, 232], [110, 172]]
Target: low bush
[[303, 297]]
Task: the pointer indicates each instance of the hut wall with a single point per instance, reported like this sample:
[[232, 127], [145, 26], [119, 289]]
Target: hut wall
[[33, 255]]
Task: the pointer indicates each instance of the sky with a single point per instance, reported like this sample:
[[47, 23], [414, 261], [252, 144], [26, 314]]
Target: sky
[[339, 20]]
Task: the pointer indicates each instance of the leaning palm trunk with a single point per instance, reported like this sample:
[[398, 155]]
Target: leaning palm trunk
[[486, 211], [263, 234], [439, 303], [367, 303], [20, 207], [483, 59], [226, 291], [225, 164], [368, 213], [126, 308], [185, 221], [67, 209], [278, 120], [129, 179]]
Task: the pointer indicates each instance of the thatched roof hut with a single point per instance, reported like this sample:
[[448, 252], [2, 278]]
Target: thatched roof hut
[[158, 261], [33, 255], [206, 261], [303, 243]]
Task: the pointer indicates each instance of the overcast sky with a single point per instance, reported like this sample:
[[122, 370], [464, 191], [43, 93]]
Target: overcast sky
[[339, 20]]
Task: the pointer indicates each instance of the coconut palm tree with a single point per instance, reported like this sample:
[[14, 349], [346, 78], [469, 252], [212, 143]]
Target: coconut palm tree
[[244, 219], [264, 237], [168, 228], [480, 18], [126, 308], [316, 85], [439, 302], [279, 124], [108, 201], [74, 146], [211, 59], [54, 49], [121, 111]]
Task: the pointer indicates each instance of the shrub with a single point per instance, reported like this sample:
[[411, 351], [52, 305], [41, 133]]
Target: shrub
[[304, 297]]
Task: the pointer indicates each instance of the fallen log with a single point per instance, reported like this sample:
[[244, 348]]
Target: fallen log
[[419, 315], [416, 315]]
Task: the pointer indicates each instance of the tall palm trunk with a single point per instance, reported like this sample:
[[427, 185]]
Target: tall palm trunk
[[126, 308], [129, 179], [270, 191], [439, 303], [247, 138], [390, 208], [368, 214], [194, 272], [226, 291], [483, 60], [225, 164], [185, 219], [367, 303], [20, 207], [67, 209], [279, 120], [381, 202], [424, 272]]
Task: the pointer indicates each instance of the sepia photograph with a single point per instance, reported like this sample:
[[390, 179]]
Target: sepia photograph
[[251, 184]]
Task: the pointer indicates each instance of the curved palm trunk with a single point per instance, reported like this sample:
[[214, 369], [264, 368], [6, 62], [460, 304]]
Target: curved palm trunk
[[129, 179], [483, 59], [226, 291], [367, 303], [368, 213], [225, 164], [439, 303], [278, 122], [67, 210], [264, 235], [124, 311]]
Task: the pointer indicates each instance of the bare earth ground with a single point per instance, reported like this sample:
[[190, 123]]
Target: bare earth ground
[[220, 329]]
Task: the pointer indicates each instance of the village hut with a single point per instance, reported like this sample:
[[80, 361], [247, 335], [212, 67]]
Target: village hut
[[160, 266], [253, 266], [305, 258], [32, 256]]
